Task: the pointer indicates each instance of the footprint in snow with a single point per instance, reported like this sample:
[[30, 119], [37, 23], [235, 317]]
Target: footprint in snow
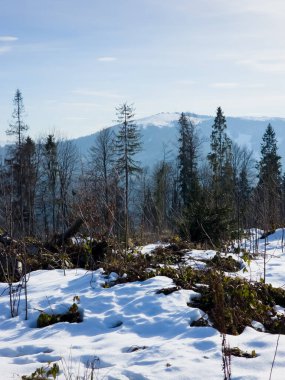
[[40, 358], [23, 351], [134, 375], [116, 324]]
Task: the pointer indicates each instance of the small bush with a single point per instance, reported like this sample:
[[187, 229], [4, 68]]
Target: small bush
[[201, 322], [44, 373], [73, 315], [167, 291], [89, 372], [233, 303], [236, 351], [137, 348], [227, 264]]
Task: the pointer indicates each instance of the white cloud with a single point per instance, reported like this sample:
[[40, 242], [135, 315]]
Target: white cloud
[[106, 59], [5, 49], [233, 85], [75, 118], [101, 94], [275, 8], [254, 85], [8, 38], [81, 104], [225, 85], [185, 82], [267, 61], [224, 8]]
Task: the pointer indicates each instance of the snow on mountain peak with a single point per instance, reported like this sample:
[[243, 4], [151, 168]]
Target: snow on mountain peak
[[169, 119]]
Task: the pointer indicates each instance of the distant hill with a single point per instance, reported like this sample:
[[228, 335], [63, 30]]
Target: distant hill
[[160, 134]]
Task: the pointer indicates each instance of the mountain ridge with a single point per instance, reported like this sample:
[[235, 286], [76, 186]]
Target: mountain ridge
[[160, 134]]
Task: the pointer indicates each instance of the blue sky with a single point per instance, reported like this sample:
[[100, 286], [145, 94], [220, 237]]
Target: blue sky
[[75, 61]]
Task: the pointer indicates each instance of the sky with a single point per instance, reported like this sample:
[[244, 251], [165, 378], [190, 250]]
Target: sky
[[76, 61]]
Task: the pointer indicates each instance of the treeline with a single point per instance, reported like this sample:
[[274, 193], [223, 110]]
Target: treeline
[[45, 185]]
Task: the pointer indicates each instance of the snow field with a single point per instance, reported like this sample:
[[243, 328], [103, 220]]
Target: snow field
[[136, 333]]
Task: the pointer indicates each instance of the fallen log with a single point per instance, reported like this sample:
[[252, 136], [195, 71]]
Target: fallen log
[[60, 239]]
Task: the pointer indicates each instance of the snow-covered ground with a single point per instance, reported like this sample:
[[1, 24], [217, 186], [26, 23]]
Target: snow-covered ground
[[136, 333], [271, 253]]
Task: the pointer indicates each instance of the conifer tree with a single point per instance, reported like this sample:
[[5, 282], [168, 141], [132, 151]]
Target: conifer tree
[[243, 192], [270, 162], [187, 160], [220, 160], [50, 166], [127, 145], [17, 128], [220, 157], [188, 176], [283, 199], [162, 194], [30, 177], [269, 179]]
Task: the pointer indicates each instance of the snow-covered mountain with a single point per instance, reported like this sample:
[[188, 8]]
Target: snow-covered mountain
[[160, 134]]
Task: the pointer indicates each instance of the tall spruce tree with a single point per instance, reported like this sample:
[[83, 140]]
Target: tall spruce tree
[[269, 180], [30, 170], [188, 176], [17, 128], [283, 199], [220, 159], [187, 160], [162, 194], [127, 145], [244, 191], [50, 166], [242, 164], [220, 156]]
